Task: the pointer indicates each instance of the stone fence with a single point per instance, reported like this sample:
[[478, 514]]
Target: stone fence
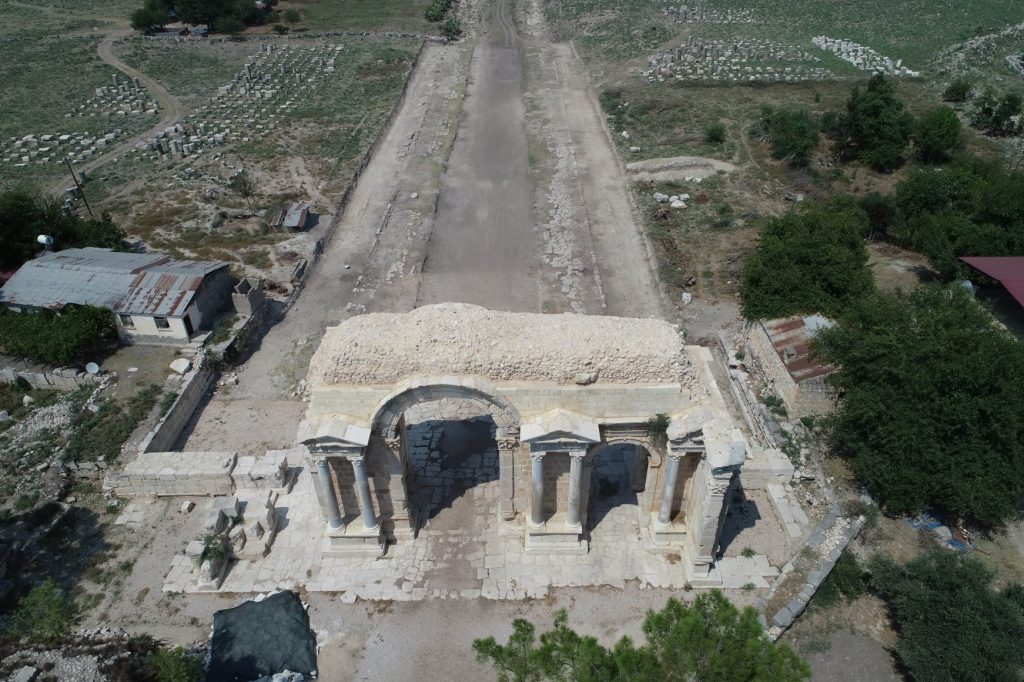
[[305, 35], [195, 384], [346, 196], [827, 541], [176, 473], [60, 379]]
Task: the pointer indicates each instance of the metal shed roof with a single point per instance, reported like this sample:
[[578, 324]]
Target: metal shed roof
[[126, 283], [1007, 270], [791, 337]]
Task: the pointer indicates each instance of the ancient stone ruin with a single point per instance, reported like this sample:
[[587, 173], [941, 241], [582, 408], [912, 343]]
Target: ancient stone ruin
[[864, 58]]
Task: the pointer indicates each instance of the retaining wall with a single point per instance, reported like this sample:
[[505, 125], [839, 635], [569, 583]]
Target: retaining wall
[[176, 473], [62, 379], [165, 434]]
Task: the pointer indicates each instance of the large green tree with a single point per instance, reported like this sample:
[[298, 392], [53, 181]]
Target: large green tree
[[793, 134], [875, 127], [810, 260], [24, 215], [937, 135], [953, 626], [932, 415], [708, 641]]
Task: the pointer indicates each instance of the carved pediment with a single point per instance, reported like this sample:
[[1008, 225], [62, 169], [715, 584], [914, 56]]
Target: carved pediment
[[560, 426], [332, 431]]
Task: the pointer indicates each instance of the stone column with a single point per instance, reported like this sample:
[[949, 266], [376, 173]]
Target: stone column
[[668, 492], [365, 501], [324, 487], [537, 490], [575, 490], [507, 446]]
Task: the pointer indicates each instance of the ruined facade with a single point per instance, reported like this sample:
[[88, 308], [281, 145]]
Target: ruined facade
[[559, 388]]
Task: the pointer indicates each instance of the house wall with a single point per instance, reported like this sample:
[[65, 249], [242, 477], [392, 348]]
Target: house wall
[[145, 325], [214, 296], [770, 365]]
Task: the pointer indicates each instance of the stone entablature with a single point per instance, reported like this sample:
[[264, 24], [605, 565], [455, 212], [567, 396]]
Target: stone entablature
[[548, 423]]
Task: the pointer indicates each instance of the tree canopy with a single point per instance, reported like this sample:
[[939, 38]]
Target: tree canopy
[[875, 127], [55, 339], [708, 641], [932, 415], [953, 626], [810, 260], [792, 134], [24, 215], [937, 135]]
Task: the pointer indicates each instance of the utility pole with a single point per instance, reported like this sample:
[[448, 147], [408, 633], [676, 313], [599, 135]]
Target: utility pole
[[80, 190]]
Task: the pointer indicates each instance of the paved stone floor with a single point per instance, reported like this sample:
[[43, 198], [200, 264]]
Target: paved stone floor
[[463, 549]]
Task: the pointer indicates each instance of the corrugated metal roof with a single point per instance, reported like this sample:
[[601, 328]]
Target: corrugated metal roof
[[127, 283], [791, 337], [1007, 270], [295, 216]]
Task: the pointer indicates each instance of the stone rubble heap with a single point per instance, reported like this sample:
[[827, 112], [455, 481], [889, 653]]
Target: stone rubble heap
[[461, 339], [272, 84], [863, 58], [694, 14], [735, 61]]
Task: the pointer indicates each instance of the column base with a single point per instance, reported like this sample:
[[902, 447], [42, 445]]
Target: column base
[[555, 537], [355, 540], [664, 538]]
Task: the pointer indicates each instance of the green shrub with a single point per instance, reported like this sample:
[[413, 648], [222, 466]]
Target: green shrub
[[280, 29], [658, 424], [52, 338], [995, 114], [437, 10], [958, 91], [714, 133], [291, 16], [793, 134], [451, 28], [952, 623], [809, 260], [44, 615], [174, 665]]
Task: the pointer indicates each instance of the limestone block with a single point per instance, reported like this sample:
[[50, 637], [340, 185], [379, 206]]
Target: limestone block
[[194, 551], [216, 522]]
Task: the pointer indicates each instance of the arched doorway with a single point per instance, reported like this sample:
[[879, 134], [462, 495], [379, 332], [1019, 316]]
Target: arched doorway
[[618, 473]]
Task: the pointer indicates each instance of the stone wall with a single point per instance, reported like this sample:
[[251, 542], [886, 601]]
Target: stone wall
[[61, 379], [556, 483], [813, 396], [195, 385], [176, 473], [764, 357]]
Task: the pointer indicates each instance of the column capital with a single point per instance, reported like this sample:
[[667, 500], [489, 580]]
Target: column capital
[[538, 456], [578, 454], [319, 461], [393, 444], [507, 442], [357, 460]]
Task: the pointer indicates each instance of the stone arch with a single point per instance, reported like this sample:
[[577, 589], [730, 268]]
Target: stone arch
[[387, 416]]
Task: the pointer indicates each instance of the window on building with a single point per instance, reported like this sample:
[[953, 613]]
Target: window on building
[[127, 322], [162, 323]]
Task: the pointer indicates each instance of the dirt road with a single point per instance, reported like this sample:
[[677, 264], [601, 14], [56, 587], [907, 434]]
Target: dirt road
[[171, 110]]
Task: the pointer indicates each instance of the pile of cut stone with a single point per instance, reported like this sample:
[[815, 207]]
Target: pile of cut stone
[[864, 58], [694, 14], [736, 61], [674, 201], [273, 83]]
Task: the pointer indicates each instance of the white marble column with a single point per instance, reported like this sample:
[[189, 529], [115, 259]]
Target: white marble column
[[668, 491], [575, 490], [537, 490], [365, 500], [324, 488]]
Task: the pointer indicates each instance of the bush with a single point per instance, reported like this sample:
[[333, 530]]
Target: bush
[[810, 260], [451, 28], [174, 665], [291, 16], [50, 338], [438, 9], [848, 580], [952, 624], [881, 212], [875, 128], [44, 615], [958, 91], [793, 134], [229, 25], [995, 115], [931, 416], [280, 29], [714, 133], [937, 135]]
